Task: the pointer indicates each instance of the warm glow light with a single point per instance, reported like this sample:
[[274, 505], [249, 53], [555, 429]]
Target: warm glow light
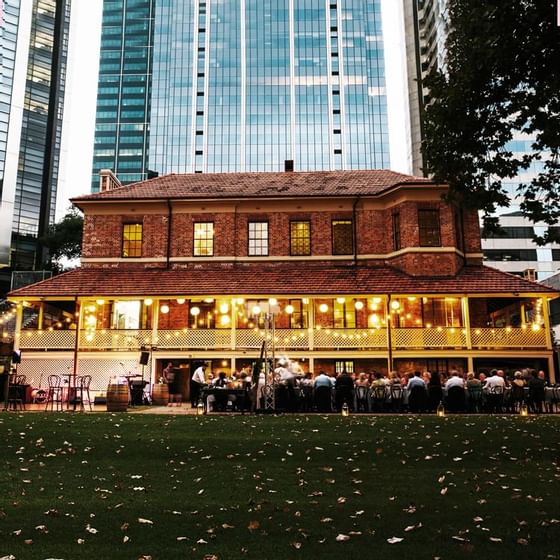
[[256, 310], [289, 309], [240, 301], [359, 305], [374, 306], [536, 327], [148, 301], [340, 300], [100, 302], [323, 308], [224, 308], [374, 319], [195, 311], [225, 320], [180, 301], [305, 301], [164, 308], [209, 300], [273, 301], [91, 308], [395, 305]]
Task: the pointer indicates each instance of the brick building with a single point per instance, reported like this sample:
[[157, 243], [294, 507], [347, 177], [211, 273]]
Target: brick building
[[353, 270]]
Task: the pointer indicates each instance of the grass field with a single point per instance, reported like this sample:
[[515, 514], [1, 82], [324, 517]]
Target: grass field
[[103, 486]]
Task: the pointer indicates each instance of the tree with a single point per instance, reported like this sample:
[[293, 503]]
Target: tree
[[64, 240], [502, 77]]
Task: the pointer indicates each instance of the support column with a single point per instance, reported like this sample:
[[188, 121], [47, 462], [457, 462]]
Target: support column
[[470, 363], [41, 313], [551, 375], [467, 324], [19, 323], [311, 327], [155, 326], [546, 319]]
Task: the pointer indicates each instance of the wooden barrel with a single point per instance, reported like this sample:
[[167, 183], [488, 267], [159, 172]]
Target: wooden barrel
[[117, 398], [160, 394]]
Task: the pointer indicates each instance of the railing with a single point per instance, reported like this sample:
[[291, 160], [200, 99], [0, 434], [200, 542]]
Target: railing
[[508, 338], [438, 337], [288, 339]]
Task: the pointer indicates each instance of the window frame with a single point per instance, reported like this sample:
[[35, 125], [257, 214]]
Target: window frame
[[300, 239], [334, 223], [429, 235], [208, 239], [263, 241], [136, 241]]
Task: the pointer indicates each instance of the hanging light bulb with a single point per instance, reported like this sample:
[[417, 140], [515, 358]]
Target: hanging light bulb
[[289, 309], [359, 305], [148, 301], [195, 311], [323, 308], [180, 301], [164, 308]]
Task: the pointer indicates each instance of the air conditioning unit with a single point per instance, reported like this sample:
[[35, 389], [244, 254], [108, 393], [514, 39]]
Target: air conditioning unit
[[530, 274]]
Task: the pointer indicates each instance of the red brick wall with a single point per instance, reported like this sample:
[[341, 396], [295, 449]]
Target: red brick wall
[[103, 235]]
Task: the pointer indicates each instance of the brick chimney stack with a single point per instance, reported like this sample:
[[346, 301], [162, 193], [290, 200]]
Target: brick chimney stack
[[108, 180]]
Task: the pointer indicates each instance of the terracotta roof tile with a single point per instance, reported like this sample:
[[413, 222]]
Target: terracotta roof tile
[[273, 280], [247, 185]]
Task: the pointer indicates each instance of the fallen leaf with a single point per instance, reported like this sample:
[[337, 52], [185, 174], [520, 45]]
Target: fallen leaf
[[253, 525], [145, 521], [394, 540], [341, 538]]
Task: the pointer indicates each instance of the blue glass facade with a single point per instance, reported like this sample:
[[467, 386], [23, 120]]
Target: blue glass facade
[[243, 85]]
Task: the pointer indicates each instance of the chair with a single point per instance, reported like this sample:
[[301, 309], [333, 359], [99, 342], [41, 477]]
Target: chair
[[397, 397], [455, 400], [16, 392], [54, 392], [305, 398], [81, 394], [517, 398], [378, 394], [474, 394], [362, 404], [418, 399], [323, 399], [495, 399]]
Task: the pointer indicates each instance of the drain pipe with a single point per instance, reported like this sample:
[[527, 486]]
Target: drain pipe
[[169, 218], [355, 229]]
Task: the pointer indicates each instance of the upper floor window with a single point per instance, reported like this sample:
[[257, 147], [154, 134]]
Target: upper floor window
[[342, 237], [396, 228], [203, 239], [258, 239], [132, 240], [300, 238], [429, 228]]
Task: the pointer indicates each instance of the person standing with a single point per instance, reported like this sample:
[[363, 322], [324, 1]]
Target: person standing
[[197, 381], [168, 375]]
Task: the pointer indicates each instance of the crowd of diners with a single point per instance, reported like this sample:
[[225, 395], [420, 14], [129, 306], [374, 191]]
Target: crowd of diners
[[415, 391]]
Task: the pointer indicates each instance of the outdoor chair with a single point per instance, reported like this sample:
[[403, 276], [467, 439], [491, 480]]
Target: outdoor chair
[[305, 398], [81, 395], [54, 393], [323, 399], [378, 394], [495, 399], [16, 392], [474, 394], [455, 400], [417, 399], [517, 398], [397, 397], [362, 404]]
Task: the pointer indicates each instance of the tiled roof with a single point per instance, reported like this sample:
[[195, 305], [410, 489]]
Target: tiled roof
[[248, 185], [274, 280]]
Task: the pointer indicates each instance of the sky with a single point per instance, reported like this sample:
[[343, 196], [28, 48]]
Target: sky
[[81, 91]]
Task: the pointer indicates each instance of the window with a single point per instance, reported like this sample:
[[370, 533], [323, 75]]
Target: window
[[132, 240], [300, 238], [203, 239], [396, 225], [258, 239], [429, 229], [346, 365], [342, 237]]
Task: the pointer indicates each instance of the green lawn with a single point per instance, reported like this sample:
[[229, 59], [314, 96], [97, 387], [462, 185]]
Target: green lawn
[[127, 486]]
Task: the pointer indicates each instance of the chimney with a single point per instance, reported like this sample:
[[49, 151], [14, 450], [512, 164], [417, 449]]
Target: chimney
[[108, 180], [530, 274], [289, 165]]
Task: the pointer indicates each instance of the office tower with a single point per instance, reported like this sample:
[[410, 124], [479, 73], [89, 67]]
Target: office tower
[[34, 47], [240, 85], [512, 250]]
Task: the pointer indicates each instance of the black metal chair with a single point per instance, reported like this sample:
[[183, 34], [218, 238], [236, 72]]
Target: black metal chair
[[362, 401], [418, 399], [517, 398], [378, 395], [495, 399], [81, 392], [474, 394], [455, 400], [54, 393], [323, 399], [16, 392], [397, 397]]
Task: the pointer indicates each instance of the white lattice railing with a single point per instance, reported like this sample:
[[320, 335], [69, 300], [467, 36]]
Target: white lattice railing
[[288, 339], [438, 337], [508, 338], [47, 340]]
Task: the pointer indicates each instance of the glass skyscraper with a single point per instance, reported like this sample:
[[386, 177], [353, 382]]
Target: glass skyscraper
[[34, 54], [240, 85]]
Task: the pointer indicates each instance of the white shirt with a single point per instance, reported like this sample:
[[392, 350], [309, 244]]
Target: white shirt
[[198, 376], [494, 381], [455, 381]]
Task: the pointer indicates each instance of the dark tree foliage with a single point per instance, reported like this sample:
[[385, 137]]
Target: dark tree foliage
[[64, 239], [502, 77]]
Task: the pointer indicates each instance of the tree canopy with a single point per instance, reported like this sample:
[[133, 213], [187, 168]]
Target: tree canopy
[[502, 81], [64, 239]]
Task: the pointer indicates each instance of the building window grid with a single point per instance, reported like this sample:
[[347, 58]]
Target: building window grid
[[342, 237], [203, 239], [132, 240], [258, 239], [429, 228], [300, 238]]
